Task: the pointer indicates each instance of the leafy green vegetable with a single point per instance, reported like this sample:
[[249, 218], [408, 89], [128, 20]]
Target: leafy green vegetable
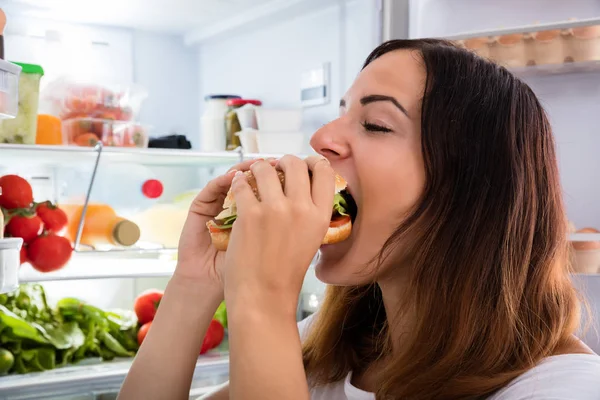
[[227, 222], [339, 204], [42, 338], [221, 314]]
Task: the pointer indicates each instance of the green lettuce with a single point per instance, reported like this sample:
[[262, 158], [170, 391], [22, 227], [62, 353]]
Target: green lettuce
[[339, 205]]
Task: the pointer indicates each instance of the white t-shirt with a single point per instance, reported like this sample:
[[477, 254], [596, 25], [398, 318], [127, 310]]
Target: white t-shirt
[[562, 377]]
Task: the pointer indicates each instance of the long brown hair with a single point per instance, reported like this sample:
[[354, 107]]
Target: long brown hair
[[489, 279]]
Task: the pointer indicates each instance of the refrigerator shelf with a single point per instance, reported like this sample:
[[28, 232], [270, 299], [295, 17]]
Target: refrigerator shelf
[[524, 29], [102, 379]]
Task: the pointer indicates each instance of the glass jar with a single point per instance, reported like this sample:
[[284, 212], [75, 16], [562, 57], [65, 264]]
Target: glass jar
[[232, 123], [212, 122]]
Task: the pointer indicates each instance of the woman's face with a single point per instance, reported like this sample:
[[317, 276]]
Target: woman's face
[[376, 145]]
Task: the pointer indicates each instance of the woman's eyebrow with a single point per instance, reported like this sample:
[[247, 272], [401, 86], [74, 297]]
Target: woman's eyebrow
[[378, 97]]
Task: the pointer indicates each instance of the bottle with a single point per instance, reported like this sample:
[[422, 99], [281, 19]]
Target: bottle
[[213, 122], [102, 226]]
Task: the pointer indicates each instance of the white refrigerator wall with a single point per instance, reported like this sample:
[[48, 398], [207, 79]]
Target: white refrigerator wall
[[267, 63]]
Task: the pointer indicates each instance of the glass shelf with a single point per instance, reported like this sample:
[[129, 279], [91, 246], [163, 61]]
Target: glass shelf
[[524, 28], [106, 265], [93, 377], [61, 155]]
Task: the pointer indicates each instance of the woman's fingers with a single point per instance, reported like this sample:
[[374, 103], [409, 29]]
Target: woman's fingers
[[245, 165], [323, 181], [243, 193], [210, 199], [267, 182], [297, 181]]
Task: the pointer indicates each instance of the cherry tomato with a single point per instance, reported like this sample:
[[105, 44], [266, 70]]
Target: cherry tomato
[[16, 192], [25, 227], [49, 253]]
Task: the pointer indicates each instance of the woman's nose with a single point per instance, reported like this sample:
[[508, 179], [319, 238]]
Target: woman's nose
[[331, 141]]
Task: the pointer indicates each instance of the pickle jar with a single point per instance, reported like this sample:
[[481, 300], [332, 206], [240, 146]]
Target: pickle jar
[[232, 123]]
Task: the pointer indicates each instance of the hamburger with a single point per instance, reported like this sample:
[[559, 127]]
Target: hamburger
[[342, 214]]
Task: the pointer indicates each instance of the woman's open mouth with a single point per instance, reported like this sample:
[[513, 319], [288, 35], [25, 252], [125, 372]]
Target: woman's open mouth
[[351, 206]]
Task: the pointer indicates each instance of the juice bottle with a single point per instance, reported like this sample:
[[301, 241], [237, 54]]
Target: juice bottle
[[102, 226]]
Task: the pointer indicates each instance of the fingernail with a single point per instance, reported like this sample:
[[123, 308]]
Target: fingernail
[[238, 174], [233, 172]]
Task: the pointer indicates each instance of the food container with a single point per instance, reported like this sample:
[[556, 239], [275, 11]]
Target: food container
[[232, 122], [9, 86], [69, 99], [583, 44], [49, 130], [10, 261], [247, 116], [212, 122], [272, 120], [248, 140], [22, 129], [280, 142], [585, 256], [509, 50], [479, 46], [547, 47], [89, 131]]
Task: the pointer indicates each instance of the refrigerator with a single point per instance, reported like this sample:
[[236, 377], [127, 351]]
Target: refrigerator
[[261, 50]]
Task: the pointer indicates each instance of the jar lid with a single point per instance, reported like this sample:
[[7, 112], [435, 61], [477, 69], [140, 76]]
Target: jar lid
[[126, 233], [221, 97], [30, 68], [241, 102], [152, 188]]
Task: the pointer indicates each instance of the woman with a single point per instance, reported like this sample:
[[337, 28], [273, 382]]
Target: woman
[[454, 283]]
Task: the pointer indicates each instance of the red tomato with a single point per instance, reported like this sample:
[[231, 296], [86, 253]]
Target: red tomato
[[214, 336], [143, 332], [55, 219], [146, 304], [16, 192], [339, 221], [26, 227], [49, 253], [23, 255]]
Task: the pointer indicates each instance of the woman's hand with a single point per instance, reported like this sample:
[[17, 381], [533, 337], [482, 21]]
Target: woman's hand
[[274, 239], [198, 260]]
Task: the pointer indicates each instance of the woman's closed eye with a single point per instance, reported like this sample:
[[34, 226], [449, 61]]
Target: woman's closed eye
[[371, 127]]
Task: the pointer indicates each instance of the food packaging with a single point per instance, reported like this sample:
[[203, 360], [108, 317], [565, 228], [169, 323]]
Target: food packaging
[[585, 256], [68, 99], [49, 130], [280, 142], [89, 131], [509, 50], [10, 261], [479, 46], [23, 128], [247, 116], [547, 47], [9, 82], [248, 139], [583, 43], [278, 120]]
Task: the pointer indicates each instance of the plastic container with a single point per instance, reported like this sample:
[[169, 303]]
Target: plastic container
[[272, 120], [586, 261], [479, 46], [583, 44], [10, 261], [89, 131], [9, 89], [248, 140], [23, 128], [280, 142], [247, 116], [70, 99], [49, 130], [213, 122], [547, 47], [509, 50]]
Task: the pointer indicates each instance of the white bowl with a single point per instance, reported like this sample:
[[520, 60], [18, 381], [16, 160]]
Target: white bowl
[[273, 120], [280, 142], [10, 261]]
